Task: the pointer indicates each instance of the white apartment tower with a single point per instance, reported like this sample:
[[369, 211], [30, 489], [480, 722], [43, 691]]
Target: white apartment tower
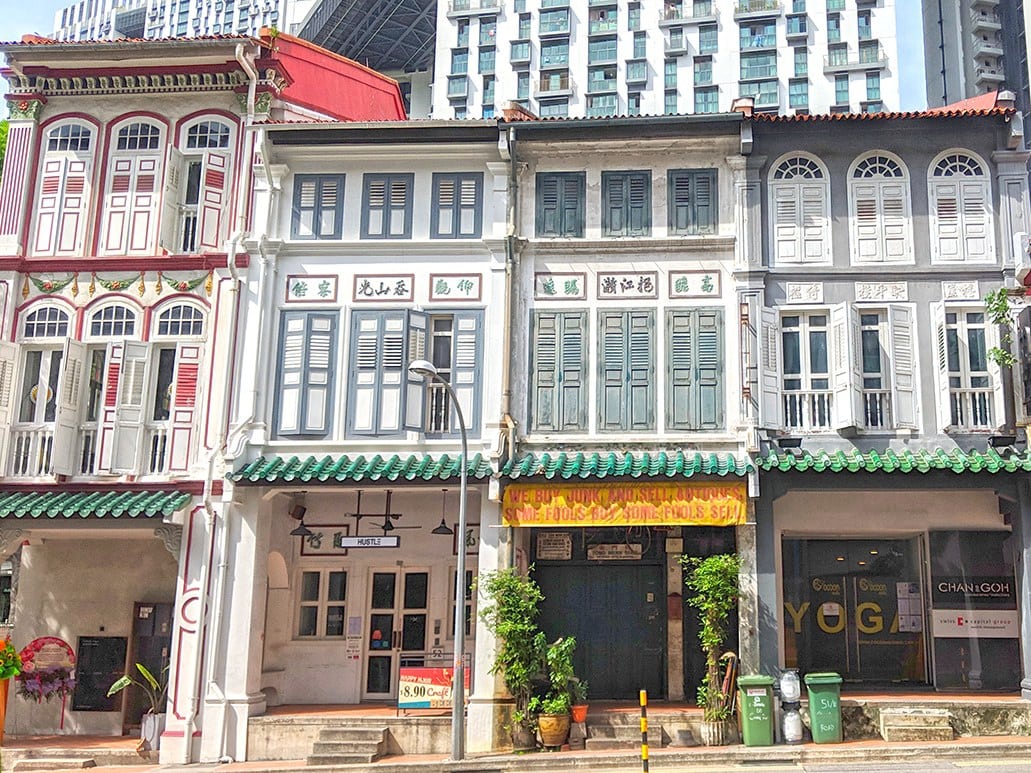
[[626, 57]]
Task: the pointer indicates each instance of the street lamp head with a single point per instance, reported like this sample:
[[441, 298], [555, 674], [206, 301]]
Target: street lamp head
[[423, 368]]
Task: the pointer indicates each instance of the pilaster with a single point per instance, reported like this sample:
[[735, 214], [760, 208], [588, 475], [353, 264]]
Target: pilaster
[[18, 168]]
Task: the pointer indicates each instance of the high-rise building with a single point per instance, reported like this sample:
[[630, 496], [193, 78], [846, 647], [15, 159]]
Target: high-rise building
[[110, 19], [614, 57], [975, 46]]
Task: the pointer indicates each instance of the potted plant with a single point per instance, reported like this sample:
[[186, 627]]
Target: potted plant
[[510, 613], [152, 723], [714, 584], [552, 710], [10, 665], [578, 697]]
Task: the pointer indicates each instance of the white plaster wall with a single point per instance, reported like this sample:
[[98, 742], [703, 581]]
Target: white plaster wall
[[83, 586]]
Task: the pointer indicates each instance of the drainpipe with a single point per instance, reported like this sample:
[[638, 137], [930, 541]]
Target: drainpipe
[[246, 61], [507, 149]]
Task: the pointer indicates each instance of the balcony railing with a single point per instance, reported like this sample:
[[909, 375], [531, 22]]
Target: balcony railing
[[808, 410], [868, 58], [31, 452], [438, 409], [472, 7], [972, 409], [746, 9], [688, 14], [985, 21], [877, 409], [156, 444]]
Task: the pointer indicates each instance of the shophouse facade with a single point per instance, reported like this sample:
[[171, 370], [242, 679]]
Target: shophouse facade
[[124, 201], [893, 517]]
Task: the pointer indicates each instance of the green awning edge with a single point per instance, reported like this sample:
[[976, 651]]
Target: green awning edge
[[101, 503], [611, 464], [991, 460], [347, 469]]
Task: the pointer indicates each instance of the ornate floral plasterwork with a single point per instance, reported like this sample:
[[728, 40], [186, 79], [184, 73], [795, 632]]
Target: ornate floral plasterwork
[[172, 538], [24, 109]]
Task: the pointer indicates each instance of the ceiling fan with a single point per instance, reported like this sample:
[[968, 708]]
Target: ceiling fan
[[387, 516]]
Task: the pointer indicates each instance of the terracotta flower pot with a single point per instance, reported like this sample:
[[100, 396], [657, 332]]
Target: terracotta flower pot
[[554, 728], [524, 739], [579, 712]]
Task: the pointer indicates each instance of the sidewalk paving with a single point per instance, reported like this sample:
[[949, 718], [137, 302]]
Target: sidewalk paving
[[670, 759]]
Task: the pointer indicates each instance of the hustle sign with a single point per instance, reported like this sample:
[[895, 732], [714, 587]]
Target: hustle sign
[[626, 504]]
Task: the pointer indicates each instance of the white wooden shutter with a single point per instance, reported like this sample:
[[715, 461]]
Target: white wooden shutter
[[170, 236], [68, 422], [769, 370], [291, 375], [902, 332], [978, 240], [787, 223], [842, 368], [213, 196], [62, 205], [815, 247], [364, 377], [866, 223], [941, 371], [109, 405], [465, 371], [131, 206], [131, 408], [378, 378], [998, 416], [856, 361], [8, 365], [416, 385], [182, 429], [946, 234], [895, 224]]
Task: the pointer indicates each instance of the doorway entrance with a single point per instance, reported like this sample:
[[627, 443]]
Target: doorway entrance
[[396, 625], [614, 605], [855, 607]]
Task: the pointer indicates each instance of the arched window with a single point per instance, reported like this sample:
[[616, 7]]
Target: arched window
[[193, 218], [960, 203], [799, 217], [179, 320], [882, 230], [113, 321], [63, 195], [47, 322], [133, 188]]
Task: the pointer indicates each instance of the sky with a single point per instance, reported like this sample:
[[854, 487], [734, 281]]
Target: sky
[[18, 17]]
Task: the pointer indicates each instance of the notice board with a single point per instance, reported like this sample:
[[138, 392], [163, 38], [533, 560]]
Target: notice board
[[100, 661]]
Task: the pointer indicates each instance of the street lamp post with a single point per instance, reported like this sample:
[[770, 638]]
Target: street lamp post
[[428, 371]]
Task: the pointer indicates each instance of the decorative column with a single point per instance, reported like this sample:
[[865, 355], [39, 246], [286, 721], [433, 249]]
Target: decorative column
[[1014, 213], [1022, 531], [18, 171], [748, 597]]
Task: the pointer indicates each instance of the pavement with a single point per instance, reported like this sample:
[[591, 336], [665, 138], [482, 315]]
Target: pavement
[[918, 756]]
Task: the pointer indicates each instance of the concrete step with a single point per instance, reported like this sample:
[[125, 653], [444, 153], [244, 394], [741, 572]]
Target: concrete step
[[346, 747], [340, 759], [916, 724], [54, 763], [352, 733], [605, 737]]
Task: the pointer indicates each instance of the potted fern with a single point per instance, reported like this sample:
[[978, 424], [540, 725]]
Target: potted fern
[[152, 723], [714, 583]]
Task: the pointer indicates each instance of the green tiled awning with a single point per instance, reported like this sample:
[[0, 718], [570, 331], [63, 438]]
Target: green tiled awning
[[347, 469], [992, 460], [667, 464], [91, 504]]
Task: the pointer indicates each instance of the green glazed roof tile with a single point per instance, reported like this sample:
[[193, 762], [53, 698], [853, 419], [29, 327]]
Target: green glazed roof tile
[[91, 504], [271, 469], [669, 464], [992, 460]]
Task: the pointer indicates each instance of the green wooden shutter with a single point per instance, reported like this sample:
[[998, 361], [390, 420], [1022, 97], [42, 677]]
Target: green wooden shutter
[[626, 371], [614, 185], [544, 390], [612, 373], [639, 204], [547, 205], [705, 201], [640, 370], [572, 204], [572, 372], [557, 399], [679, 193], [709, 368], [695, 394], [680, 342], [467, 354], [377, 379]]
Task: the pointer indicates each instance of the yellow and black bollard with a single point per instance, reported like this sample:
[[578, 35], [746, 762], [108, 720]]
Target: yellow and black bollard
[[644, 731]]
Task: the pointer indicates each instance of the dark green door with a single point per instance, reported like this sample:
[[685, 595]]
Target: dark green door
[[617, 612]]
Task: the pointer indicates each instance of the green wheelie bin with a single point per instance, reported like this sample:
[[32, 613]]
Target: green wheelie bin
[[755, 698], [824, 706]]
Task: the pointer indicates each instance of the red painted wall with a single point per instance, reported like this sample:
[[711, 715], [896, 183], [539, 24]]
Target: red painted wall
[[328, 83]]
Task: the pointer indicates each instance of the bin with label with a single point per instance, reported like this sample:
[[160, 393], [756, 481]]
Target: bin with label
[[824, 706], [755, 699]]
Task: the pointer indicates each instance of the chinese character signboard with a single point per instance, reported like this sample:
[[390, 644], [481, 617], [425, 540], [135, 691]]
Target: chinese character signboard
[[559, 287], [311, 288], [384, 287], [325, 540], [455, 287], [627, 285], [694, 284]]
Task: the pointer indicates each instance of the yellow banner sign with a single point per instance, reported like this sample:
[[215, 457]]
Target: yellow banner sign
[[626, 504]]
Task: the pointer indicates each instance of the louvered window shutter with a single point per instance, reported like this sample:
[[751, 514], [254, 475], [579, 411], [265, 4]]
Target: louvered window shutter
[[615, 185], [290, 391], [170, 230], [49, 206], [68, 419], [307, 358], [895, 224], [8, 363], [185, 399], [815, 226], [709, 364], [977, 224], [680, 345], [131, 407], [705, 202], [947, 234], [374, 212], [109, 410], [378, 375], [866, 222], [843, 399], [941, 371], [627, 371], [641, 370], [903, 365], [612, 376], [400, 206], [470, 205], [465, 372], [444, 204], [572, 372], [214, 193], [679, 191], [544, 395], [572, 205], [786, 222], [318, 207], [769, 370], [415, 389], [639, 204], [547, 205]]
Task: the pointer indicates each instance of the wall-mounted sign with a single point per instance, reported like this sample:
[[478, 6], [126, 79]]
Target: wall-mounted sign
[[626, 504], [455, 287], [472, 539], [555, 546], [975, 623], [805, 292], [559, 287], [617, 551], [392, 541], [426, 688], [694, 284], [974, 592], [325, 540], [882, 291], [627, 285], [384, 287], [311, 288]]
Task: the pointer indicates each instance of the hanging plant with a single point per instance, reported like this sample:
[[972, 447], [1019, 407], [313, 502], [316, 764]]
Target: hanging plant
[[51, 285], [115, 285], [182, 285]]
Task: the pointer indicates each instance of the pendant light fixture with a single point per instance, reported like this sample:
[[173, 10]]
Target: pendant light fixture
[[443, 529]]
